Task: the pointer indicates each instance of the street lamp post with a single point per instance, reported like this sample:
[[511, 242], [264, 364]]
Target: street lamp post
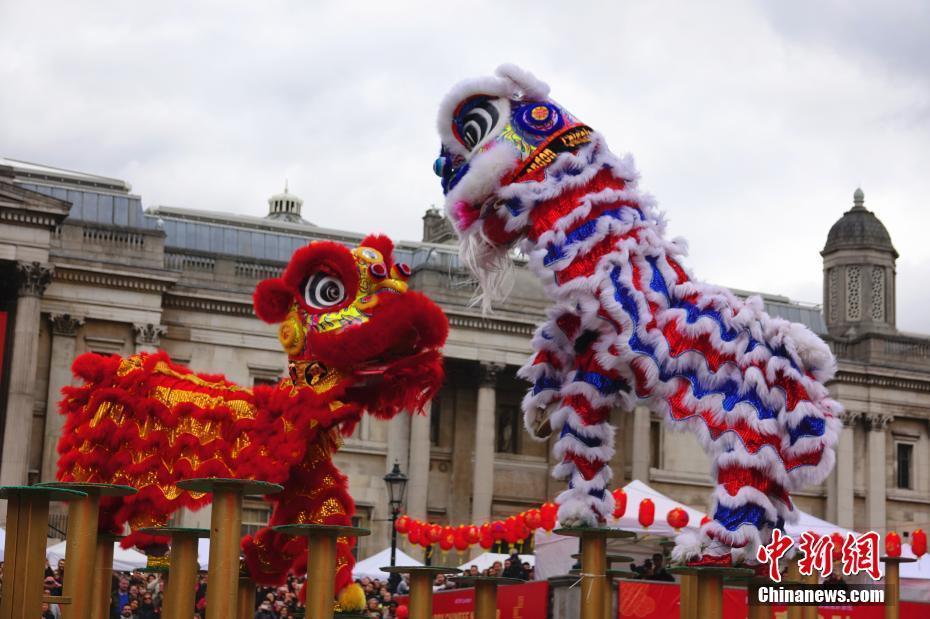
[[396, 483]]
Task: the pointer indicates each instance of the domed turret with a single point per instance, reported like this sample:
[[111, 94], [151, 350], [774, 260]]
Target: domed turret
[[285, 207], [859, 228], [859, 273]]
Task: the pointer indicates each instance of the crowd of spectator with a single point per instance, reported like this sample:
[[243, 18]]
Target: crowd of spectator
[[139, 595], [652, 569], [381, 602]]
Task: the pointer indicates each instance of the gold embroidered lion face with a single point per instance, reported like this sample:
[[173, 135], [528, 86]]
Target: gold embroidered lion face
[[349, 309]]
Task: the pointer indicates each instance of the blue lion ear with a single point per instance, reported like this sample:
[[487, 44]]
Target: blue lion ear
[[272, 300]]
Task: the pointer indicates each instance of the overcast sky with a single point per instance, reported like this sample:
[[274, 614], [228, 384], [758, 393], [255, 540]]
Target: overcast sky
[[751, 122]]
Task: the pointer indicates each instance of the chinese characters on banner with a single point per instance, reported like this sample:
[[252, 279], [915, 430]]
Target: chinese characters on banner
[[859, 554]]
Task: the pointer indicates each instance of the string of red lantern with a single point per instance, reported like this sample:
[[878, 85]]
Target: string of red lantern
[[516, 529]]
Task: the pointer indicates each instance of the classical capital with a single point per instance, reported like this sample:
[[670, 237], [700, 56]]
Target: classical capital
[[851, 418], [65, 324], [489, 373], [149, 334], [34, 278], [878, 421]]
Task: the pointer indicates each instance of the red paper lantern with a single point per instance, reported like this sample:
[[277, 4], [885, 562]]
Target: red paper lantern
[[472, 534], [498, 530], [447, 541], [461, 538], [705, 520], [402, 612], [512, 531], [892, 544], [414, 531], [647, 513], [402, 524], [532, 518], [837, 540], [619, 503], [677, 518], [549, 510], [918, 543], [435, 533]]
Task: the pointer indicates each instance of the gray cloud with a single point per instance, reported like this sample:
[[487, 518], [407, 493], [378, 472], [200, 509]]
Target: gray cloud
[[752, 123]]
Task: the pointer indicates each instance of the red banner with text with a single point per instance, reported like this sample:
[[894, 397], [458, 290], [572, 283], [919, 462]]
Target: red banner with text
[[526, 601], [647, 600]]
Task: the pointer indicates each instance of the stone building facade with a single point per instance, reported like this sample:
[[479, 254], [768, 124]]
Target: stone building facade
[[83, 267]]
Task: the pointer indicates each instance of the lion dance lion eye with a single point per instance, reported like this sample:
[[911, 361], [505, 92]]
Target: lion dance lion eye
[[324, 290]]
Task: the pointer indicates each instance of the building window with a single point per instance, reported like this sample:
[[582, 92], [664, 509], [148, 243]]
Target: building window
[[904, 461], [435, 418], [255, 515], [655, 444], [508, 428]]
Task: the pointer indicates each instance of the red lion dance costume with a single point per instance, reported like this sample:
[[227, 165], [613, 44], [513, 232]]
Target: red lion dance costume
[[357, 340], [628, 323]]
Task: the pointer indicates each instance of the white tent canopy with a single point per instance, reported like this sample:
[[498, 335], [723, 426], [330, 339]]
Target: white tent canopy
[[486, 560], [636, 491], [2, 542], [124, 560], [371, 567]]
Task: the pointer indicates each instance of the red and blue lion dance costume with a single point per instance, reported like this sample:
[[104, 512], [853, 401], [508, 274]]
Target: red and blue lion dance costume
[[357, 340], [628, 324]]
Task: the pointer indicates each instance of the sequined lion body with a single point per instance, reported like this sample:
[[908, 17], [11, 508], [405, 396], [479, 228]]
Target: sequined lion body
[[357, 340]]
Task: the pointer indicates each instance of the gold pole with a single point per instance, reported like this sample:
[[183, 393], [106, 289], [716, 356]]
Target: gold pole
[[225, 532], [608, 596], [421, 595], [485, 600], [709, 595], [22, 585], [246, 601], [793, 575], [688, 592], [102, 579], [321, 571], [81, 554], [182, 576], [809, 612], [593, 574], [892, 588], [757, 611], [24, 552], [82, 543]]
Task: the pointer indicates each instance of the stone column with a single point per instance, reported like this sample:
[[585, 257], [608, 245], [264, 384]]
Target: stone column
[[483, 480], [843, 482], [34, 279], [875, 494], [418, 484], [642, 419], [148, 337], [398, 442], [64, 330]]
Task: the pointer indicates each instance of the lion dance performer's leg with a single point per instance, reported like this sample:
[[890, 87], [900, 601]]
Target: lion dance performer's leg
[[316, 493]]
